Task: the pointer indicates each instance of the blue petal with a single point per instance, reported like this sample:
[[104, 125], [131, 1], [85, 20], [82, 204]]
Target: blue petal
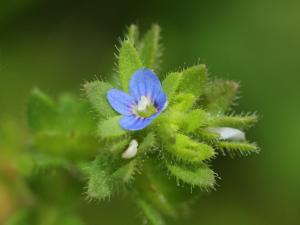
[[136, 123], [160, 101], [120, 101], [144, 83]]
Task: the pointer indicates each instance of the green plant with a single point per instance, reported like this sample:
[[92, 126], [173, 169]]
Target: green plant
[[157, 165]]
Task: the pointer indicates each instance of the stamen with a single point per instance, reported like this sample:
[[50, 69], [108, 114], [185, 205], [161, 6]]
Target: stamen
[[144, 108], [143, 104]]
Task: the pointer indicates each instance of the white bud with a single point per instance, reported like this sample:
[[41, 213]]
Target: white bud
[[131, 150], [228, 133]]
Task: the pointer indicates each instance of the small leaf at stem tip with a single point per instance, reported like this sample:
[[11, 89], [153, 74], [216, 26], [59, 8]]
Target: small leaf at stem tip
[[194, 80], [190, 150], [239, 122], [171, 84], [129, 62], [150, 49], [220, 95], [133, 34]]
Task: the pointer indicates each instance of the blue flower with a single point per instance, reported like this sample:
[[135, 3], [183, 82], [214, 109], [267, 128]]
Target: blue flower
[[146, 100]]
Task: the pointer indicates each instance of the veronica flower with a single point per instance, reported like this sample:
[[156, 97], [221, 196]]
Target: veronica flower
[[145, 101]]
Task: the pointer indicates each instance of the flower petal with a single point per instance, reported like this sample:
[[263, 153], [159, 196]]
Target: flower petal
[[161, 101], [144, 83], [136, 123], [120, 101]]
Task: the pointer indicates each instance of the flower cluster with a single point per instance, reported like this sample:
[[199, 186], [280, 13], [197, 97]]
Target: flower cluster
[[148, 134]]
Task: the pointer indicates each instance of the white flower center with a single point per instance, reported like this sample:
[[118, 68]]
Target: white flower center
[[228, 133], [143, 104], [131, 150]]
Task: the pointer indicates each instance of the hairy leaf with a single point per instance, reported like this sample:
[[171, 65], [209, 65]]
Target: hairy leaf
[[70, 145], [133, 34], [147, 143], [194, 120], [129, 62], [239, 122], [110, 128], [193, 80], [152, 216], [107, 173], [62, 129], [41, 112], [207, 135], [151, 180], [183, 102], [189, 150], [150, 49], [201, 176], [232, 148], [220, 95], [96, 93], [74, 115], [171, 84]]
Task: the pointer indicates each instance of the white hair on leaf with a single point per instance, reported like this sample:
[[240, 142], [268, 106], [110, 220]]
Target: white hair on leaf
[[131, 150]]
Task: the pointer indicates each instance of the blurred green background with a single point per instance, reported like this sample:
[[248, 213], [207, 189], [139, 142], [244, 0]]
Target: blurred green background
[[58, 44]]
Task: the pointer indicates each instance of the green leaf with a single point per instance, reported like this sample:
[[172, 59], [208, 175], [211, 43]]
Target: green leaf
[[71, 145], [110, 128], [151, 180], [193, 120], [187, 122], [41, 112], [45, 163], [62, 129], [118, 146], [189, 150], [150, 49], [220, 95], [171, 84], [232, 148], [107, 174], [74, 115], [153, 217], [133, 34], [205, 134], [239, 122], [147, 143], [96, 93], [100, 183], [129, 62], [183, 102], [194, 80], [201, 176], [126, 172]]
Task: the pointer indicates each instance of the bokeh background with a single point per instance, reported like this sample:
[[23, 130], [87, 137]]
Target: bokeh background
[[58, 44]]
